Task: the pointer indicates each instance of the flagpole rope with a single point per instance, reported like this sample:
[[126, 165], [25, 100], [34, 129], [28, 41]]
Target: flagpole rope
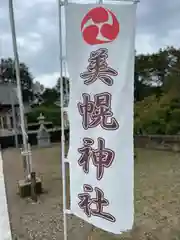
[[60, 4]]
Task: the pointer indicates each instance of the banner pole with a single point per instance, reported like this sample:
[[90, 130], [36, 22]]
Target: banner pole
[[17, 68], [67, 83], [60, 4]]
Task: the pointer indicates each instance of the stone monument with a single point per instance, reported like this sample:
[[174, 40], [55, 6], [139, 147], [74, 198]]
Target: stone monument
[[43, 137]]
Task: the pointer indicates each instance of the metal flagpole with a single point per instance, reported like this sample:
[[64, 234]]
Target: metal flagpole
[[17, 67], [66, 83], [60, 4]]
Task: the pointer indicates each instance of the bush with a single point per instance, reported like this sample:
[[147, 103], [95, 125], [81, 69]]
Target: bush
[[158, 116]]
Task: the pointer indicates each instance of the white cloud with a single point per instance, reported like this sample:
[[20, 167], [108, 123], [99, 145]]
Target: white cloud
[[45, 26], [2, 14], [145, 43], [30, 44], [6, 45], [48, 80], [173, 38]]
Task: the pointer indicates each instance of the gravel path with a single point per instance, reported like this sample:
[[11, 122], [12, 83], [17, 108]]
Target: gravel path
[[42, 220], [157, 199]]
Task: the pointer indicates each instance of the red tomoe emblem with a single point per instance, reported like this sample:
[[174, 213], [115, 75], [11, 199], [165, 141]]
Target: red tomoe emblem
[[99, 26]]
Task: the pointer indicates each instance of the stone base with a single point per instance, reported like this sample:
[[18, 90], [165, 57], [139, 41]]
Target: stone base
[[43, 142], [25, 188]]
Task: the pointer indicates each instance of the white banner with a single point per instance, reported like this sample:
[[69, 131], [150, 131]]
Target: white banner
[[100, 57]]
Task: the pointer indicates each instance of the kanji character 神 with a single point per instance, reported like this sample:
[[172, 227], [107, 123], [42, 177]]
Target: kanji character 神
[[86, 201], [101, 157], [97, 112], [98, 68]]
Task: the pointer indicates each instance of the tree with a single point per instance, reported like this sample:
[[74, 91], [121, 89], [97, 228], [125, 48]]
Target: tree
[[142, 86], [66, 88], [51, 113], [8, 75], [154, 68], [50, 96], [154, 72], [157, 92], [66, 85]]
